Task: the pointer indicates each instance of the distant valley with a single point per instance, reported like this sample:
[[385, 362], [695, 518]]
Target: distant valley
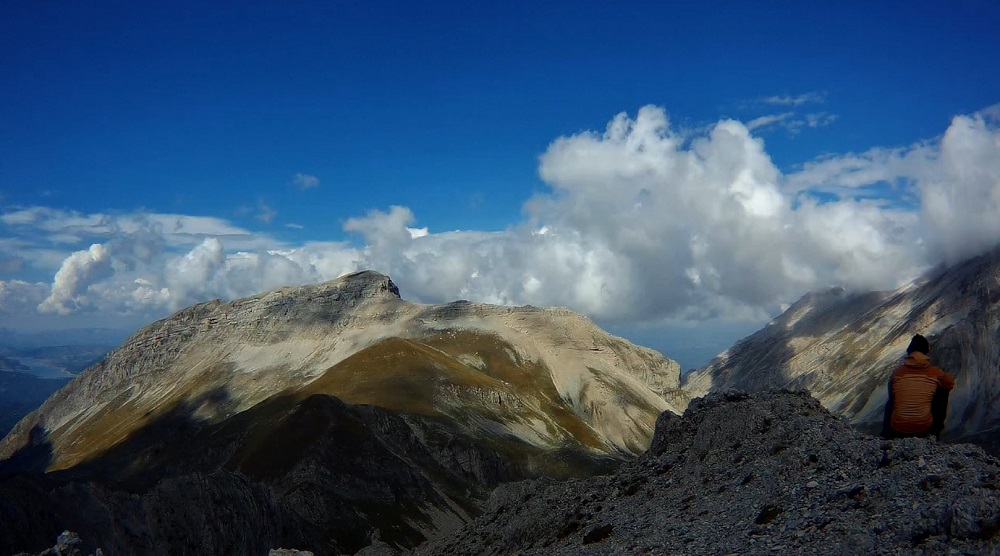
[[55, 361], [30, 374]]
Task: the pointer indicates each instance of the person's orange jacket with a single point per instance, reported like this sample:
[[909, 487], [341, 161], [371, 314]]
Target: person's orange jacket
[[912, 388]]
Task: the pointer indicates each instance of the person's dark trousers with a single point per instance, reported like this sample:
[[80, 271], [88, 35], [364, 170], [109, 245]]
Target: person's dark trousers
[[939, 410]]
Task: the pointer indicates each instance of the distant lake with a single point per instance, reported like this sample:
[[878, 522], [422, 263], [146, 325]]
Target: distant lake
[[44, 369]]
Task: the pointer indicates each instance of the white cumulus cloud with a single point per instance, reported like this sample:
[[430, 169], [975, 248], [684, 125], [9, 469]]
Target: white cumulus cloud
[[696, 228], [384, 232], [74, 278], [641, 223], [953, 183], [961, 193]]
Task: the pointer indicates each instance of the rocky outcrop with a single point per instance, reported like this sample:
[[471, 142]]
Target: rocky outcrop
[[766, 473], [843, 346], [67, 544]]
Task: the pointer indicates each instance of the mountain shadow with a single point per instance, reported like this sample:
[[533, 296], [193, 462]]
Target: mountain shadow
[[32, 459], [310, 472]]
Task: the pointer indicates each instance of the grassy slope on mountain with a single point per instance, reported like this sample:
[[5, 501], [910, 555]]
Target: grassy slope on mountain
[[115, 421], [465, 376], [397, 374], [418, 377], [423, 379]]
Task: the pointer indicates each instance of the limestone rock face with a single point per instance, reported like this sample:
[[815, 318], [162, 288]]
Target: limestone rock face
[[548, 376], [768, 473], [842, 347]]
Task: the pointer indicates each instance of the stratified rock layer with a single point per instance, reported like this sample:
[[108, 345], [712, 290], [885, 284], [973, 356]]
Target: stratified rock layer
[[754, 474]]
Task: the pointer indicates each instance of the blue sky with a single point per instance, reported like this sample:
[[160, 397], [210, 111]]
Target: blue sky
[[279, 126]]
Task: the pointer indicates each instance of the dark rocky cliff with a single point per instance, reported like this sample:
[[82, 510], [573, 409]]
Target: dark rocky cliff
[[765, 473]]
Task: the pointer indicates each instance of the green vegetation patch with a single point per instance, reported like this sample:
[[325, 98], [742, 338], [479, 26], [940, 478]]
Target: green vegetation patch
[[398, 374]]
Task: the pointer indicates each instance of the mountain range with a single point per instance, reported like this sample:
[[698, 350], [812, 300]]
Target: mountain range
[[342, 419], [243, 403]]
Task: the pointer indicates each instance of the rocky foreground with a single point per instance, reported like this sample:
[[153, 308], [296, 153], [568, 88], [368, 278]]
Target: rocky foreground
[[770, 473]]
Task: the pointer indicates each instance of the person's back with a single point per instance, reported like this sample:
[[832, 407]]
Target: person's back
[[918, 395]]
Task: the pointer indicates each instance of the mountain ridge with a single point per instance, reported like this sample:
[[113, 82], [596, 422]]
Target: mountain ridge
[[287, 338]]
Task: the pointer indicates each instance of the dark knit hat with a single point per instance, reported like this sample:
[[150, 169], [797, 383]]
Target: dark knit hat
[[919, 343]]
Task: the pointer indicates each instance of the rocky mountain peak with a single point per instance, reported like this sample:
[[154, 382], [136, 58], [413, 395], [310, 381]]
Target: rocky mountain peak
[[264, 319], [364, 284]]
